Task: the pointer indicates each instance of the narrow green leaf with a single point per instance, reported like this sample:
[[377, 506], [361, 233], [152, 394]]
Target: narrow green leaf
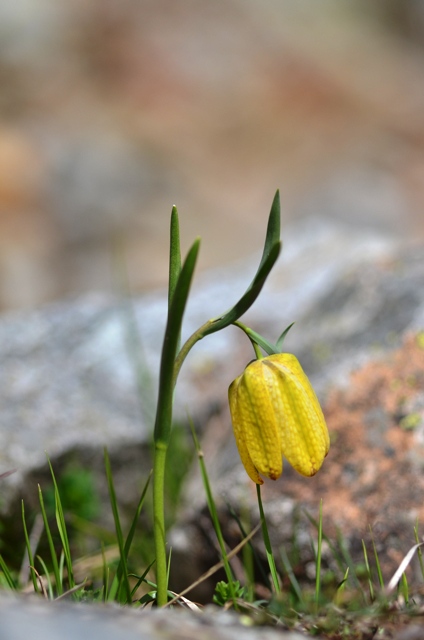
[[61, 525], [174, 255], [369, 575], [419, 552], [8, 576], [257, 561], [48, 577], [273, 229], [318, 560], [118, 528], [29, 551], [283, 337], [106, 576], [267, 346], [140, 579], [291, 575], [128, 541], [340, 558], [377, 561], [340, 588], [56, 571], [267, 543], [214, 514], [170, 345]]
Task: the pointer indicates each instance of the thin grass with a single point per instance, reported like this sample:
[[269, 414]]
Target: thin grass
[[291, 576], [48, 579], [29, 551], [63, 533], [318, 560], [56, 571], [121, 587], [419, 551], [377, 561], [369, 575], [7, 576], [267, 542], [256, 561], [214, 515]]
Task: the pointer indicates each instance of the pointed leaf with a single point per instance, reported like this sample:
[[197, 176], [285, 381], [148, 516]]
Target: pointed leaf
[[170, 345], [282, 337], [267, 346], [123, 580], [174, 254], [273, 228]]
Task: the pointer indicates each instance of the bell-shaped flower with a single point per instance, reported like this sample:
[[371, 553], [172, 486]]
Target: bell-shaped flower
[[275, 413]]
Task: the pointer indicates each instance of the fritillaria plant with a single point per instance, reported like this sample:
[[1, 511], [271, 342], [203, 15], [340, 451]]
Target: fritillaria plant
[[273, 407]]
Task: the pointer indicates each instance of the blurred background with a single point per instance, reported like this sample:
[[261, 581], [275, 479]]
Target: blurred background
[[113, 110]]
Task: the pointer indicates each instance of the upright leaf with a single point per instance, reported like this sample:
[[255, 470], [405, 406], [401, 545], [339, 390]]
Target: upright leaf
[[174, 254], [170, 345]]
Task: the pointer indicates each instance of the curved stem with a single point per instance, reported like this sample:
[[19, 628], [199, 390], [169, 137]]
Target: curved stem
[[256, 348], [187, 346]]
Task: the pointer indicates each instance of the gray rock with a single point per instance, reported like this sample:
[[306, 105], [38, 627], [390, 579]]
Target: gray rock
[[23, 618]]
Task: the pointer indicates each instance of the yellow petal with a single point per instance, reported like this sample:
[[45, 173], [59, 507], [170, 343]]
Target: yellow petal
[[239, 435], [304, 435], [276, 413], [260, 421]]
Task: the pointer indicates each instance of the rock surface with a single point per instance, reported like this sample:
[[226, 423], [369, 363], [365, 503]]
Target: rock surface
[[34, 618]]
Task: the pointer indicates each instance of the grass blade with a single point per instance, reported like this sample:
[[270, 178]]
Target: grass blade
[[419, 552], [7, 575], [377, 562], [128, 541], [214, 514], [61, 525], [56, 572], [367, 566], [290, 573], [267, 542], [318, 560], [29, 551], [48, 577], [112, 495], [338, 598]]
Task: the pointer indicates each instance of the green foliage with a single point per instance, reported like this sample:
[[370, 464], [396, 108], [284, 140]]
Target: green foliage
[[224, 592]]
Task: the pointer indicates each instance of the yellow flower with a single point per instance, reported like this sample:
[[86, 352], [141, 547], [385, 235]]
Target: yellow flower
[[275, 412]]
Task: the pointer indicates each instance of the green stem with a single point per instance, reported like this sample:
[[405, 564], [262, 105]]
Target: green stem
[[267, 542], [187, 346], [159, 522], [247, 331]]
